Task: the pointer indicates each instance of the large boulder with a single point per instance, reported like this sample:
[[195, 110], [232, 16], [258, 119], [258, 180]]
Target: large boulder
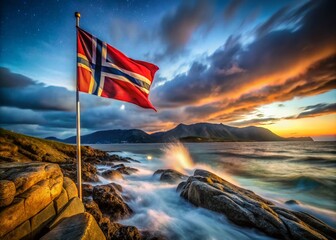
[[110, 201], [124, 169], [36, 186], [82, 226], [25, 175], [170, 175], [245, 208], [112, 174]]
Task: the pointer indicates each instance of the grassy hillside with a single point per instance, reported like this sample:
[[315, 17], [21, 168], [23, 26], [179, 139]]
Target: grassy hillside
[[21, 148]]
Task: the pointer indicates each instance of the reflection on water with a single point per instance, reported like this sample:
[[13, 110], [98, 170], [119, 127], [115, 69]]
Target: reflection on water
[[280, 171]]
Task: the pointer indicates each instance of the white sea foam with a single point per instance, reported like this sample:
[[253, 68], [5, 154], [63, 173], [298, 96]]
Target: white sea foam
[[158, 207]]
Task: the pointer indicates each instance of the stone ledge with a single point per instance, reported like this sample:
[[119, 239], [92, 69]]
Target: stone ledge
[[73, 207], [82, 226]]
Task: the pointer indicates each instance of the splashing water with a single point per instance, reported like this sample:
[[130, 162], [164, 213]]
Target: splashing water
[[176, 156]]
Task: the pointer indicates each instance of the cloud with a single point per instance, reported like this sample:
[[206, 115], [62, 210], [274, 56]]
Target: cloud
[[12, 80], [318, 110], [256, 121], [309, 111], [281, 63], [178, 27], [232, 8], [277, 66], [22, 92]]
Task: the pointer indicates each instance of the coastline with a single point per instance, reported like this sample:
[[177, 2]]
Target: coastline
[[109, 204]]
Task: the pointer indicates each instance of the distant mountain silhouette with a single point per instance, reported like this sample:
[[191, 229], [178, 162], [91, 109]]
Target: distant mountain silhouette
[[199, 132], [113, 136]]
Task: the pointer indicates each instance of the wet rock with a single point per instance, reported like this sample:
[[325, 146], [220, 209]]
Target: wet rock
[[93, 208], [110, 201], [170, 175], [110, 229], [147, 235], [245, 208], [112, 174], [124, 169], [292, 202], [116, 158], [7, 192], [87, 190], [117, 231], [89, 171]]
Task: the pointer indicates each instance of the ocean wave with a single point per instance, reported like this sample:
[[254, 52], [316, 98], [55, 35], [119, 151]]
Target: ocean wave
[[315, 160], [254, 156], [306, 183]]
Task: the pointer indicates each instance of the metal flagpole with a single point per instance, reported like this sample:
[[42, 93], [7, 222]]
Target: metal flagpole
[[79, 161]]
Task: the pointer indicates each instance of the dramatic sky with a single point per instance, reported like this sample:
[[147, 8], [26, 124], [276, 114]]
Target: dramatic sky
[[262, 63]]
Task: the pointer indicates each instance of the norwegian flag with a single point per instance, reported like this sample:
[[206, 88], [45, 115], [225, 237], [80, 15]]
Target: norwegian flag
[[104, 71]]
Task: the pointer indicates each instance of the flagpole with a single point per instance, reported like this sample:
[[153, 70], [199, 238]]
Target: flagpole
[[78, 151]]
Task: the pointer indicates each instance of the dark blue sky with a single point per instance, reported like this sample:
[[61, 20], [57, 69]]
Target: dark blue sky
[[265, 63]]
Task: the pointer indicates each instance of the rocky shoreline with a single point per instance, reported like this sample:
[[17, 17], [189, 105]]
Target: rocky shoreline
[[39, 199]]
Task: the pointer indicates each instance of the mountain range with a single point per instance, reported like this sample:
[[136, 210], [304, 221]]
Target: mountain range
[[198, 132]]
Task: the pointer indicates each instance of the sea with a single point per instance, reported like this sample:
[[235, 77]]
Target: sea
[[278, 171]]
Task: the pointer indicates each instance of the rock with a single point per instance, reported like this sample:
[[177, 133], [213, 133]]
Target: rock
[[110, 229], [180, 186], [292, 202], [25, 175], [110, 201], [17, 214], [87, 190], [170, 175], [116, 158], [148, 235], [40, 220], [7, 192], [117, 231], [245, 208], [82, 226], [127, 233], [73, 207], [93, 208], [25, 206], [61, 201], [70, 187], [124, 170], [21, 232], [112, 174], [89, 171]]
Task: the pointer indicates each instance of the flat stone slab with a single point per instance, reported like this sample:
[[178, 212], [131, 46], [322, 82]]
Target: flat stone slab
[[82, 226], [73, 207]]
